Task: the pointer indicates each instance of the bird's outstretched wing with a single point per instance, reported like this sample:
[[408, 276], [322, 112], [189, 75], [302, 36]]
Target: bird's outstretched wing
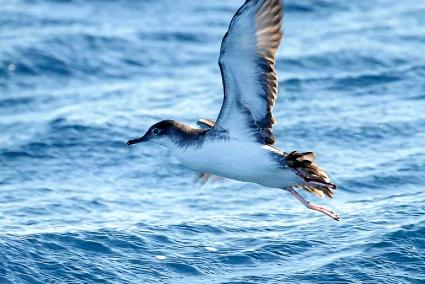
[[247, 65]]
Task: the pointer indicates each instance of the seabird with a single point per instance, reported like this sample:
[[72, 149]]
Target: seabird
[[239, 144]]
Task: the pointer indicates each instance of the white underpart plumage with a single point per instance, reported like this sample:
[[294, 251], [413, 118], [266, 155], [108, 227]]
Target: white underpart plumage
[[240, 160]]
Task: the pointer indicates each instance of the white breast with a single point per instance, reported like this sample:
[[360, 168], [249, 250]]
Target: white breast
[[244, 161]]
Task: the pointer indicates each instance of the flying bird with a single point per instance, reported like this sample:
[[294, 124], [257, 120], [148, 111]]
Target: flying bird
[[239, 144]]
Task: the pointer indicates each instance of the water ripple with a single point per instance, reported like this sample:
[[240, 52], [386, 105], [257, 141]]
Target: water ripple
[[79, 78]]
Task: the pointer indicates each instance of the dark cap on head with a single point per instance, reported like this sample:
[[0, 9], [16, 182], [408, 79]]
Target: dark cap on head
[[160, 129], [171, 132]]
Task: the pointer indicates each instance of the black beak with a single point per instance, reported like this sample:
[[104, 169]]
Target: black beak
[[135, 141]]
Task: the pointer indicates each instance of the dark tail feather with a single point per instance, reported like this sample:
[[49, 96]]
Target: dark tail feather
[[317, 181]]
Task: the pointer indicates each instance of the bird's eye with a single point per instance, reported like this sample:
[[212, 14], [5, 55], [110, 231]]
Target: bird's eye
[[156, 131]]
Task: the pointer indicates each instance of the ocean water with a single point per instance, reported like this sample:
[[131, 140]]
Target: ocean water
[[78, 78]]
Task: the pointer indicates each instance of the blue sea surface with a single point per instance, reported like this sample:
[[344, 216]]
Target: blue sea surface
[[78, 78]]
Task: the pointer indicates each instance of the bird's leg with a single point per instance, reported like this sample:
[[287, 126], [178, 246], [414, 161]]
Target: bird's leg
[[313, 206]]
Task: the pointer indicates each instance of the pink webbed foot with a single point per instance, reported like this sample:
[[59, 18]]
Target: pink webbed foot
[[313, 206], [323, 210]]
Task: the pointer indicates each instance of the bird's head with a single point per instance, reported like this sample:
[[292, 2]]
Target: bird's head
[[163, 132]]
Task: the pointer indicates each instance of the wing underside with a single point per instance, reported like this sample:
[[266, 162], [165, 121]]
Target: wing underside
[[247, 64]]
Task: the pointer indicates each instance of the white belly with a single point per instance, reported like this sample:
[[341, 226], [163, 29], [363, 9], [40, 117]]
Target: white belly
[[244, 161]]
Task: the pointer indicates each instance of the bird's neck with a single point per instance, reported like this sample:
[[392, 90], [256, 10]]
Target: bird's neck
[[184, 136]]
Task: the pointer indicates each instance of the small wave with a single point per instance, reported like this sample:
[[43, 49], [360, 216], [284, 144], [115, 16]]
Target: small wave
[[177, 36], [182, 268], [307, 6], [345, 60], [60, 57], [365, 80]]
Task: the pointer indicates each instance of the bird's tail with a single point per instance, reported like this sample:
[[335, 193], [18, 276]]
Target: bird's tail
[[316, 179]]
